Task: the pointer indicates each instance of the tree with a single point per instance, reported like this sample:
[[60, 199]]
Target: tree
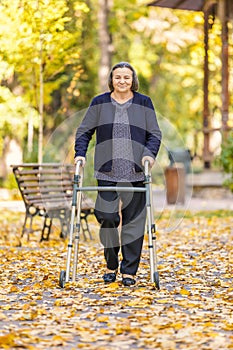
[[41, 48], [54, 57]]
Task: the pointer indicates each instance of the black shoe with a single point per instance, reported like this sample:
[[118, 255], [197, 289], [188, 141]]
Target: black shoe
[[127, 281], [109, 277]]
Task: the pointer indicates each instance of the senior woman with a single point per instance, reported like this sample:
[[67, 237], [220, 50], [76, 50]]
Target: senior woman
[[127, 134]]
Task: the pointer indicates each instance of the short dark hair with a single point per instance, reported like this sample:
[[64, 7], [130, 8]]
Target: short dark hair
[[135, 83]]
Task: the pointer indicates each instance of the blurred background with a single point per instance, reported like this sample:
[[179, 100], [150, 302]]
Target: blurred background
[[55, 55]]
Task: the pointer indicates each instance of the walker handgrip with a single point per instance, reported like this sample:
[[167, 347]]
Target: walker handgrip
[[78, 165], [146, 166]]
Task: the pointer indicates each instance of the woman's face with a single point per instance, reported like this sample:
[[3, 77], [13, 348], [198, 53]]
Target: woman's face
[[122, 79]]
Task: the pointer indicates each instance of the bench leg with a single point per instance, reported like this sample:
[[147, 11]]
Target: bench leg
[[64, 218], [46, 228], [64, 228], [26, 229]]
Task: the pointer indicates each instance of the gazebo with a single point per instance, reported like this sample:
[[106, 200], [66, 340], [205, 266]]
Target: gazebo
[[224, 10]]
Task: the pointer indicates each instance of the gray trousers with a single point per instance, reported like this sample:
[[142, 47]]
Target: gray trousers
[[132, 217]]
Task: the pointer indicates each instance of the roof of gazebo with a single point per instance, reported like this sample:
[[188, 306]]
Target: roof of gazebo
[[180, 4], [192, 5]]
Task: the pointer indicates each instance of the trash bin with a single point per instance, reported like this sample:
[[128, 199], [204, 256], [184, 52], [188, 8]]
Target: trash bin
[[180, 155], [175, 183]]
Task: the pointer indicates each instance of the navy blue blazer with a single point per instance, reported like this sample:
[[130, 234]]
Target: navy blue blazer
[[145, 132]]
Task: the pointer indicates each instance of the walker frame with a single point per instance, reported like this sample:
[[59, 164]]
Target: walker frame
[[75, 226]]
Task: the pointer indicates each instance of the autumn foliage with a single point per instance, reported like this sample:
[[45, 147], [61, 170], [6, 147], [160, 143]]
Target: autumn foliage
[[193, 309]]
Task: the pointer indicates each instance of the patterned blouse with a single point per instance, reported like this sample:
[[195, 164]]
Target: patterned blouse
[[122, 157]]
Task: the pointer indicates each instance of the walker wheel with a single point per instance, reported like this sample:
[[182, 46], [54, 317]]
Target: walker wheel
[[62, 279], [156, 280]]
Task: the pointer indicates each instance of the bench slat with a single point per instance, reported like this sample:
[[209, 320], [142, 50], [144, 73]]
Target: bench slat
[[48, 196], [41, 172], [55, 177], [44, 165], [50, 190], [45, 184]]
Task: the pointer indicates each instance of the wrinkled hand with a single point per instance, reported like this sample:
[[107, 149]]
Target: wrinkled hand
[[83, 159], [150, 160]]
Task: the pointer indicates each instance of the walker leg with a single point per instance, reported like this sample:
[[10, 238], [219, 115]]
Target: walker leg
[[156, 279], [78, 199], [153, 256], [151, 229], [62, 279], [77, 237], [70, 244], [153, 267], [65, 275], [156, 273]]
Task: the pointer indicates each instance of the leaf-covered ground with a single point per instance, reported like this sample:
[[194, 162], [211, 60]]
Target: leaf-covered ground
[[193, 309]]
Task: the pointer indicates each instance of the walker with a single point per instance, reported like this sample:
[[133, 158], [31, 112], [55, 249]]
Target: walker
[[75, 224]]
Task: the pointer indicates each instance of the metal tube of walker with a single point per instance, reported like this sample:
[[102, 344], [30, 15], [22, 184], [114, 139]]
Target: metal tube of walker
[[78, 226], [149, 220], [73, 210]]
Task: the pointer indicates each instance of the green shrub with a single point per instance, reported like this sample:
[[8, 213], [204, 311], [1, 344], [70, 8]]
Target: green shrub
[[226, 159]]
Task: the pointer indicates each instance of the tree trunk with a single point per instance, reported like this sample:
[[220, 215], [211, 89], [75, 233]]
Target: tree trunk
[[206, 121], [41, 96], [105, 43], [41, 109]]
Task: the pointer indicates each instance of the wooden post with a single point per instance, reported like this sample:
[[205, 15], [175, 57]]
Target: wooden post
[[223, 9]]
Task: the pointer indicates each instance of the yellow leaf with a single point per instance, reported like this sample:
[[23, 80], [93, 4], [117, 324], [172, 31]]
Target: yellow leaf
[[208, 324], [102, 319], [112, 286], [196, 280], [228, 327], [6, 307], [37, 286], [21, 277], [162, 301], [48, 284], [26, 307], [57, 339], [121, 328], [184, 292], [82, 345], [26, 288], [7, 340], [2, 316], [28, 316]]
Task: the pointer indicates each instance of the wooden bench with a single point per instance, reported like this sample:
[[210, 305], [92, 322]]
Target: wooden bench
[[47, 191]]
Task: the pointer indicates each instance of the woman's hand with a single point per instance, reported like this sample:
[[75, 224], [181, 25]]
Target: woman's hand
[[83, 160], [149, 159]]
